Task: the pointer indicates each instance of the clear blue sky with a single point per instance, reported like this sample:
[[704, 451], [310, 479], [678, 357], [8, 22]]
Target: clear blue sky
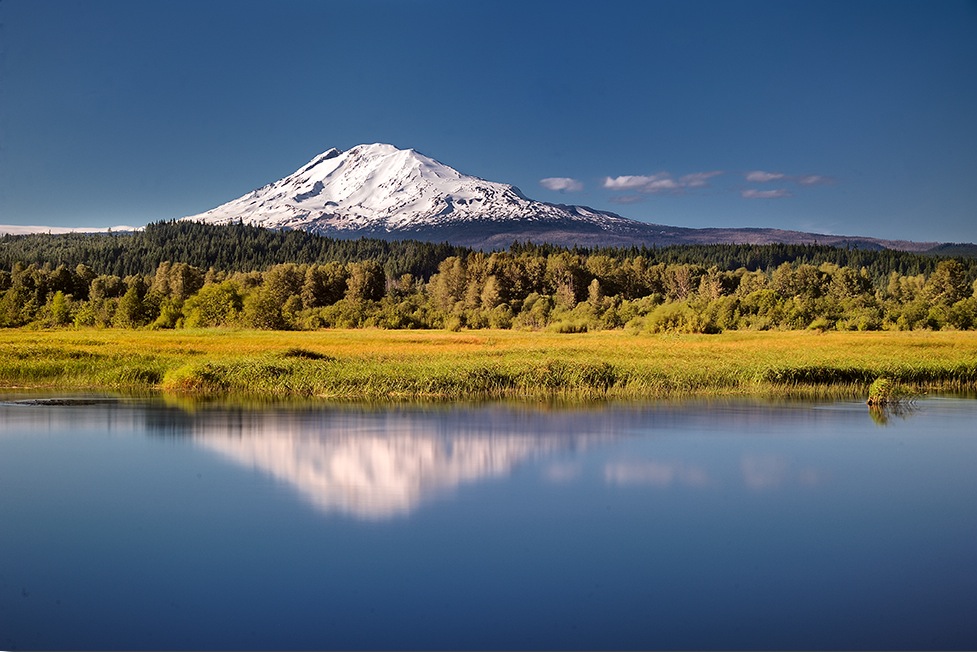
[[846, 117]]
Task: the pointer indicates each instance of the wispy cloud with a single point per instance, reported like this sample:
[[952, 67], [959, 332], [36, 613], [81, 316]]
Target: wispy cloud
[[698, 179], [763, 176], [661, 182], [759, 176], [651, 183], [813, 180], [561, 184], [752, 193]]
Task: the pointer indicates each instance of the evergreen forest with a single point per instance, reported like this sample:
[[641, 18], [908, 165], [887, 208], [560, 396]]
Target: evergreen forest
[[191, 275]]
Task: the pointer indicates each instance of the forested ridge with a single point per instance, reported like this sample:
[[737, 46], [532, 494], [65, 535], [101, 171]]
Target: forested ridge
[[232, 248], [186, 274]]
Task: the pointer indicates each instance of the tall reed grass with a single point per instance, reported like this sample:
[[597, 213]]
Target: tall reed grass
[[377, 364]]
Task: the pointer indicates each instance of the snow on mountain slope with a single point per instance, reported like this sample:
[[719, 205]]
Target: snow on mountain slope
[[380, 188]]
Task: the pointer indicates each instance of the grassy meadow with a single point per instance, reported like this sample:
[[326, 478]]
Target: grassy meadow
[[387, 364]]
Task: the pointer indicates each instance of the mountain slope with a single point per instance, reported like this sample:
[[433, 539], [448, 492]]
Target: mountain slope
[[380, 188], [381, 191]]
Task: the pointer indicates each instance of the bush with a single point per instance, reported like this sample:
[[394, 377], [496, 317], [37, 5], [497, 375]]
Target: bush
[[678, 318], [566, 327], [885, 391], [214, 305]]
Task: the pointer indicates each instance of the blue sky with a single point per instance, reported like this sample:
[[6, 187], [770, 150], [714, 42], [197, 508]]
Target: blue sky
[[845, 117]]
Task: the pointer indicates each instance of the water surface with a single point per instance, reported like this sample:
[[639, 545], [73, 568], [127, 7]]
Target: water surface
[[132, 524]]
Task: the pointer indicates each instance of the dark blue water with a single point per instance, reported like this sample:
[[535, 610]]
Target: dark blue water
[[673, 526]]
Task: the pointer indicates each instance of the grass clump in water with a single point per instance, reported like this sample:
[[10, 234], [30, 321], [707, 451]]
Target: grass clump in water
[[884, 392], [196, 378]]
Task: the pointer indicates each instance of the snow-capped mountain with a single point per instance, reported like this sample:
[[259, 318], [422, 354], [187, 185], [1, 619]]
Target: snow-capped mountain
[[379, 190]]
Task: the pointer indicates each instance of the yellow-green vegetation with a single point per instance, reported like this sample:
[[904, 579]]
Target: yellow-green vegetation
[[885, 391], [372, 363]]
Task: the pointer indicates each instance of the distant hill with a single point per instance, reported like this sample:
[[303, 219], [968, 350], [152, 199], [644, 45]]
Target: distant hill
[[954, 250]]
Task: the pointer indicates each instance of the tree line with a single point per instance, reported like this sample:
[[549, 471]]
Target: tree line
[[231, 248], [243, 248], [240, 276]]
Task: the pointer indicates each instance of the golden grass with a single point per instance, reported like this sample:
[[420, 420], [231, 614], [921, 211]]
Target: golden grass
[[359, 364]]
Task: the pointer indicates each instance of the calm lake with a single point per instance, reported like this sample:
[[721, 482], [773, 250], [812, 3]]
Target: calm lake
[[723, 524]]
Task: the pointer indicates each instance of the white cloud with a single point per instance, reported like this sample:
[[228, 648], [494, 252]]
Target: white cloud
[[561, 184], [660, 185], [760, 176], [661, 182], [812, 180], [764, 194], [633, 182], [698, 179]]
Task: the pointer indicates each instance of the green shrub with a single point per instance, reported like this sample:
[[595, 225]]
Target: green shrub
[[885, 391]]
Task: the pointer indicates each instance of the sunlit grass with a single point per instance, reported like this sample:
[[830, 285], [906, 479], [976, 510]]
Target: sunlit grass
[[361, 364]]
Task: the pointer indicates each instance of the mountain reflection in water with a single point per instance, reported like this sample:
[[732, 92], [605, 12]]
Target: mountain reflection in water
[[151, 524], [379, 465], [376, 464]]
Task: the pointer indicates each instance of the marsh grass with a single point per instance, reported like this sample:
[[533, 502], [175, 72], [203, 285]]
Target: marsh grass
[[382, 365]]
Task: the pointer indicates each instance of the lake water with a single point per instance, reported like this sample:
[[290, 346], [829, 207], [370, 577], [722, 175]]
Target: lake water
[[738, 524]]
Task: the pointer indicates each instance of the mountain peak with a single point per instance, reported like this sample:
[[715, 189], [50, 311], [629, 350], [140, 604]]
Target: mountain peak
[[377, 148], [377, 188]]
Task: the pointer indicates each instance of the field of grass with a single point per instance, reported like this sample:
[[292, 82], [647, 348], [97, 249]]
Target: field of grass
[[380, 364]]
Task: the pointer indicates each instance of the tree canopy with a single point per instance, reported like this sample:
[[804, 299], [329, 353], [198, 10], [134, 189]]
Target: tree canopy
[[186, 274]]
